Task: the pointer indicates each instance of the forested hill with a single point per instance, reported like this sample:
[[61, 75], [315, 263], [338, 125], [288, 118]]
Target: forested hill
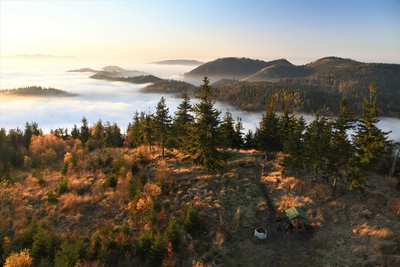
[[316, 85], [232, 68], [36, 91]]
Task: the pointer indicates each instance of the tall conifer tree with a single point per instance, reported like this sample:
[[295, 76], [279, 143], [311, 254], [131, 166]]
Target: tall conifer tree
[[267, 135], [205, 131], [182, 123], [227, 131], [162, 125], [316, 140], [370, 141], [341, 156], [85, 134]]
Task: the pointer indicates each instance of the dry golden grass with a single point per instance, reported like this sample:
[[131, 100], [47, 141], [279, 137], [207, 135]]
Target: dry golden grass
[[366, 229], [200, 264], [231, 175], [151, 190], [71, 201], [272, 179], [290, 183], [77, 183], [288, 201]]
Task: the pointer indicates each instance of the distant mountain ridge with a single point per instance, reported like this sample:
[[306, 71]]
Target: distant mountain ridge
[[185, 62]]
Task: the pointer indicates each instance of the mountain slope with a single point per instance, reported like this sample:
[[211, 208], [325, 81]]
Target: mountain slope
[[316, 84], [232, 68]]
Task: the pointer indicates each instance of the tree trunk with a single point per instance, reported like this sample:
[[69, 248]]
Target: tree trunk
[[316, 172]]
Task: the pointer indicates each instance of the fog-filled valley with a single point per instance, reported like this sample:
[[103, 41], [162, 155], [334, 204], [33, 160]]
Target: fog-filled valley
[[106, 100], [111, 101]]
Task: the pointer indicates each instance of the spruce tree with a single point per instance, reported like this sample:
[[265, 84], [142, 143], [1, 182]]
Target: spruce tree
[[30, 130], [75, 132], [133, 134], [341, 156], [205, 131], [227, 131], [238, 135], [147, 129], [112, 135], [162, 125], [249, 140], [371, 142], [294, 147], [97, 135], [182, 123], [85, 133], [268, 138], [287, 123], [316, 140], [27, 135]]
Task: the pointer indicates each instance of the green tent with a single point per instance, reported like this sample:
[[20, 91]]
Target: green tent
[[293, 212]]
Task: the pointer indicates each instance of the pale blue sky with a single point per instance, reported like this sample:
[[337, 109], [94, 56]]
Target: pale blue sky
[[141, 31]]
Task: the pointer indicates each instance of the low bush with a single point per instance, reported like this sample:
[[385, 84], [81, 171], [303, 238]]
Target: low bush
[[19, 259], [68, 254], [62, 187], [111, 180], [172, 234], [44, 244], [191, 223], [150, 247]]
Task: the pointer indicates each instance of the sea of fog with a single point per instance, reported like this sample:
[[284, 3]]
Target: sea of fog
[[99, 99]]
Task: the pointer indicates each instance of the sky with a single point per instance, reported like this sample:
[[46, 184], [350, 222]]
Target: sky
[[141, 31]]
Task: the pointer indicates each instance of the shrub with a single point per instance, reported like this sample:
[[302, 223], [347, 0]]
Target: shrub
[[51, 197], [47, 149], [191, 221], [111, 181], [172, 234], [67, 255], [143, 244], [157, 250], [64, 168], [94, 245], [44, 244], [21, 259], [151, 247], [142, 159], [62, 187], [133, 188], [28, 233]]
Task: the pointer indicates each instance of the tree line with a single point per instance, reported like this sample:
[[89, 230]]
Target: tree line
[[323, 147]]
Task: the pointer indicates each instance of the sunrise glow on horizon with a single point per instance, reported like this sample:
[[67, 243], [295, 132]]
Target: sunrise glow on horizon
[[142, 31]]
